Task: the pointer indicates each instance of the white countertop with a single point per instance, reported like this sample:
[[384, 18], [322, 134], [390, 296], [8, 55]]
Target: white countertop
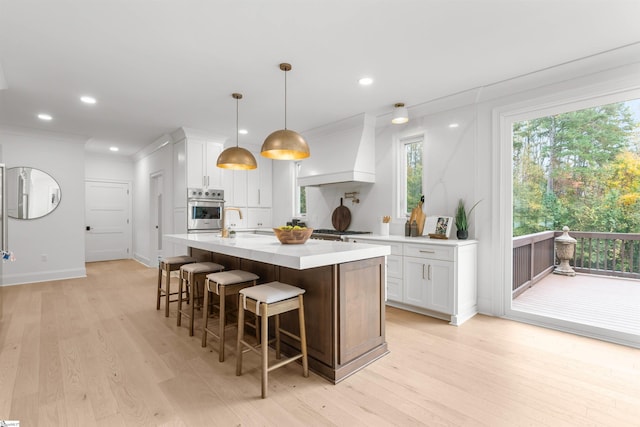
[[419, 240], [268, 249]]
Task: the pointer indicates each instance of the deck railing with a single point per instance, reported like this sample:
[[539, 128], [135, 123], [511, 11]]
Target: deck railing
[[533, 259], [609, 254]]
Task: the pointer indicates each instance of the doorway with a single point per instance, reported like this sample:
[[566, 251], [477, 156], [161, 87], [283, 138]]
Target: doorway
[[156, 218], [107, 220]]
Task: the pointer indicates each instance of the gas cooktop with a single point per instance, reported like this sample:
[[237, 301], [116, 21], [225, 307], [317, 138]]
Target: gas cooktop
[[336, 232]]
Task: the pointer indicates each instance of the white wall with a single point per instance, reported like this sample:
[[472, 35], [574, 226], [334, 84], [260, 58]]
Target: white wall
[[108, 167], [51, 247]]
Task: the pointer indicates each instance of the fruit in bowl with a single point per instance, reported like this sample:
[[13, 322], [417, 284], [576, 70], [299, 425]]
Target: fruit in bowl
[[292, 235]]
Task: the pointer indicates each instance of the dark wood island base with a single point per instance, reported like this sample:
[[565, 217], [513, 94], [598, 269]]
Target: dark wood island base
[[344, 310]]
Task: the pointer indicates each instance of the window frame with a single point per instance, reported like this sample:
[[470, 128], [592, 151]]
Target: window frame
[[403, 211], [296, 192]]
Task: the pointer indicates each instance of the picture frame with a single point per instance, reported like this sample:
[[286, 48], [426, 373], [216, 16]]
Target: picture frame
[[438, 226]]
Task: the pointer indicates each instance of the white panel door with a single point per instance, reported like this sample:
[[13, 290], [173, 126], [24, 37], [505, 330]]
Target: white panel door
[[108, 228]]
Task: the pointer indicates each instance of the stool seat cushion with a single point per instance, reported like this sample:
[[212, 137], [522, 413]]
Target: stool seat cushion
[[201, 267], [271, 292], [180, 259], [232, 277]]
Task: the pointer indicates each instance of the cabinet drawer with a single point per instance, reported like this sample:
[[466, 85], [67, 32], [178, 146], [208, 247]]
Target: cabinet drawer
[[445, 253]]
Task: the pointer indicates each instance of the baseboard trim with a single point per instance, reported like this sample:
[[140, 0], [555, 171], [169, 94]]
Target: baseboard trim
[[43, 276]]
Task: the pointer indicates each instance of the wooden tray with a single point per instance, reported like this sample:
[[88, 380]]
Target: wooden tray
[[438, 236]]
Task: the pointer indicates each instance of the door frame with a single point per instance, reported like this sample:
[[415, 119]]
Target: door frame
[[502, 122], [156, 216]]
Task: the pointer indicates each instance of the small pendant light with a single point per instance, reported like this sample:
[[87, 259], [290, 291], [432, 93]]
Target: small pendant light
[[400, 114], [236, 157], [285, 144]]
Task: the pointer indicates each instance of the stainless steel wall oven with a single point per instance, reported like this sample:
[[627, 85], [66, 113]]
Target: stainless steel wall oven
[[205, 210]]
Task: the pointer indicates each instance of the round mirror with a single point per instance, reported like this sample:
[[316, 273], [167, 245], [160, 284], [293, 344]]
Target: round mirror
[[31, 193]]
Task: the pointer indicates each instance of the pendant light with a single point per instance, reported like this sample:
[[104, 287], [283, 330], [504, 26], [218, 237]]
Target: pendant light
[[236, 157], [400, 114], [285, 144]]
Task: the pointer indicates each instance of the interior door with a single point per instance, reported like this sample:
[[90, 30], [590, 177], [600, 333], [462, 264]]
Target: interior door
[[108, 227]]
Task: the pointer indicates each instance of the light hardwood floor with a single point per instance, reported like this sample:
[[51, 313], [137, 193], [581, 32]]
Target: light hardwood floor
[[95, 351]]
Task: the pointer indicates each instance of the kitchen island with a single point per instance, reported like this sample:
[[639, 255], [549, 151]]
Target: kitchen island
[[344, 292]]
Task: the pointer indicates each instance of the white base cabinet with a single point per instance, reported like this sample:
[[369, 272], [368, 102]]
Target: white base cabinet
[[438, 279]]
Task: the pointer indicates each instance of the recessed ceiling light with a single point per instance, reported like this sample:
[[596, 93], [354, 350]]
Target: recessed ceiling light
[[113, 148], [243, 131], [365, 81], [43, 116], [453, 125], [88, 99]]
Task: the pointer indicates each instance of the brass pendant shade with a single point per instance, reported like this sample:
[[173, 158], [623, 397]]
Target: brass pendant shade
[[236, 157], [285, 144]]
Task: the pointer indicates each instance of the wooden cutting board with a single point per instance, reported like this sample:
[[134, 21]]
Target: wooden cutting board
[[418, 215], [341, 217]]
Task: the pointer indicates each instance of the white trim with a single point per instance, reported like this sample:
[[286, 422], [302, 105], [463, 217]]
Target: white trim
[[43, 276], [401, 171]]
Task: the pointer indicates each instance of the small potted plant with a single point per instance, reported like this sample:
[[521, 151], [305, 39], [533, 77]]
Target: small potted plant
[[461, 220]]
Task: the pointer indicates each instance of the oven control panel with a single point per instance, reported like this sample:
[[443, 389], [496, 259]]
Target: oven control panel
[[205, 194]]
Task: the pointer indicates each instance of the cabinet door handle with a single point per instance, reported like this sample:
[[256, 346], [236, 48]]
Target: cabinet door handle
[[258, 196], [429, 272], [423, 271], [427, 252]]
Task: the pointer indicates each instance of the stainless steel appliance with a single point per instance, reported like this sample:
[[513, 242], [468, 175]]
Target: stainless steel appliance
[[205, 210], [330, 234]]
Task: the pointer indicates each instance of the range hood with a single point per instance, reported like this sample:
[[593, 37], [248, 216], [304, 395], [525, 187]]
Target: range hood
[[340, 152]]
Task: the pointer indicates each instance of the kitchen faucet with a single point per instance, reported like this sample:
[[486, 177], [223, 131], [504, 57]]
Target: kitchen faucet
[[225, 231]]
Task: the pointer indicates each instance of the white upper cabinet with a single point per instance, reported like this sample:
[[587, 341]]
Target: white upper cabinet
[[235, 187], [202, 171], [259, 184]]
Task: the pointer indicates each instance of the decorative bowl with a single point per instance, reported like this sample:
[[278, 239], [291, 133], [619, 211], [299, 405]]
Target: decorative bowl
[[293, 237]]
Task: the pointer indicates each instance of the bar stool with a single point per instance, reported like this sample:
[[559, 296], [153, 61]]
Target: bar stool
[[224, 284], [271, 299], [167, 265], [191, 274]]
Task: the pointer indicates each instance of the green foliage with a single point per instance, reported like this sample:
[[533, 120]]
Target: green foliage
[[414, 175], [462, 215], [580, 169]]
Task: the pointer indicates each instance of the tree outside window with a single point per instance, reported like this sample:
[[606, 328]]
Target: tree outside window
[[411, 174], [580, 169], [300, 196]]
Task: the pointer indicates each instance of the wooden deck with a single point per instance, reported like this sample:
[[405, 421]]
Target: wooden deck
[[606, 302]]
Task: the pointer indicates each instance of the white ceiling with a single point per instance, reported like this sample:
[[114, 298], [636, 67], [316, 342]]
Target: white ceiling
[[158, 65]]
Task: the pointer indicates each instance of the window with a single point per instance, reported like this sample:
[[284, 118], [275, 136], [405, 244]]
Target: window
[[579, 168], [300, 195], [410, 174]]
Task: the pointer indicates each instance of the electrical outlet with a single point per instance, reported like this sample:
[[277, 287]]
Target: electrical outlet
[[43, 257]]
